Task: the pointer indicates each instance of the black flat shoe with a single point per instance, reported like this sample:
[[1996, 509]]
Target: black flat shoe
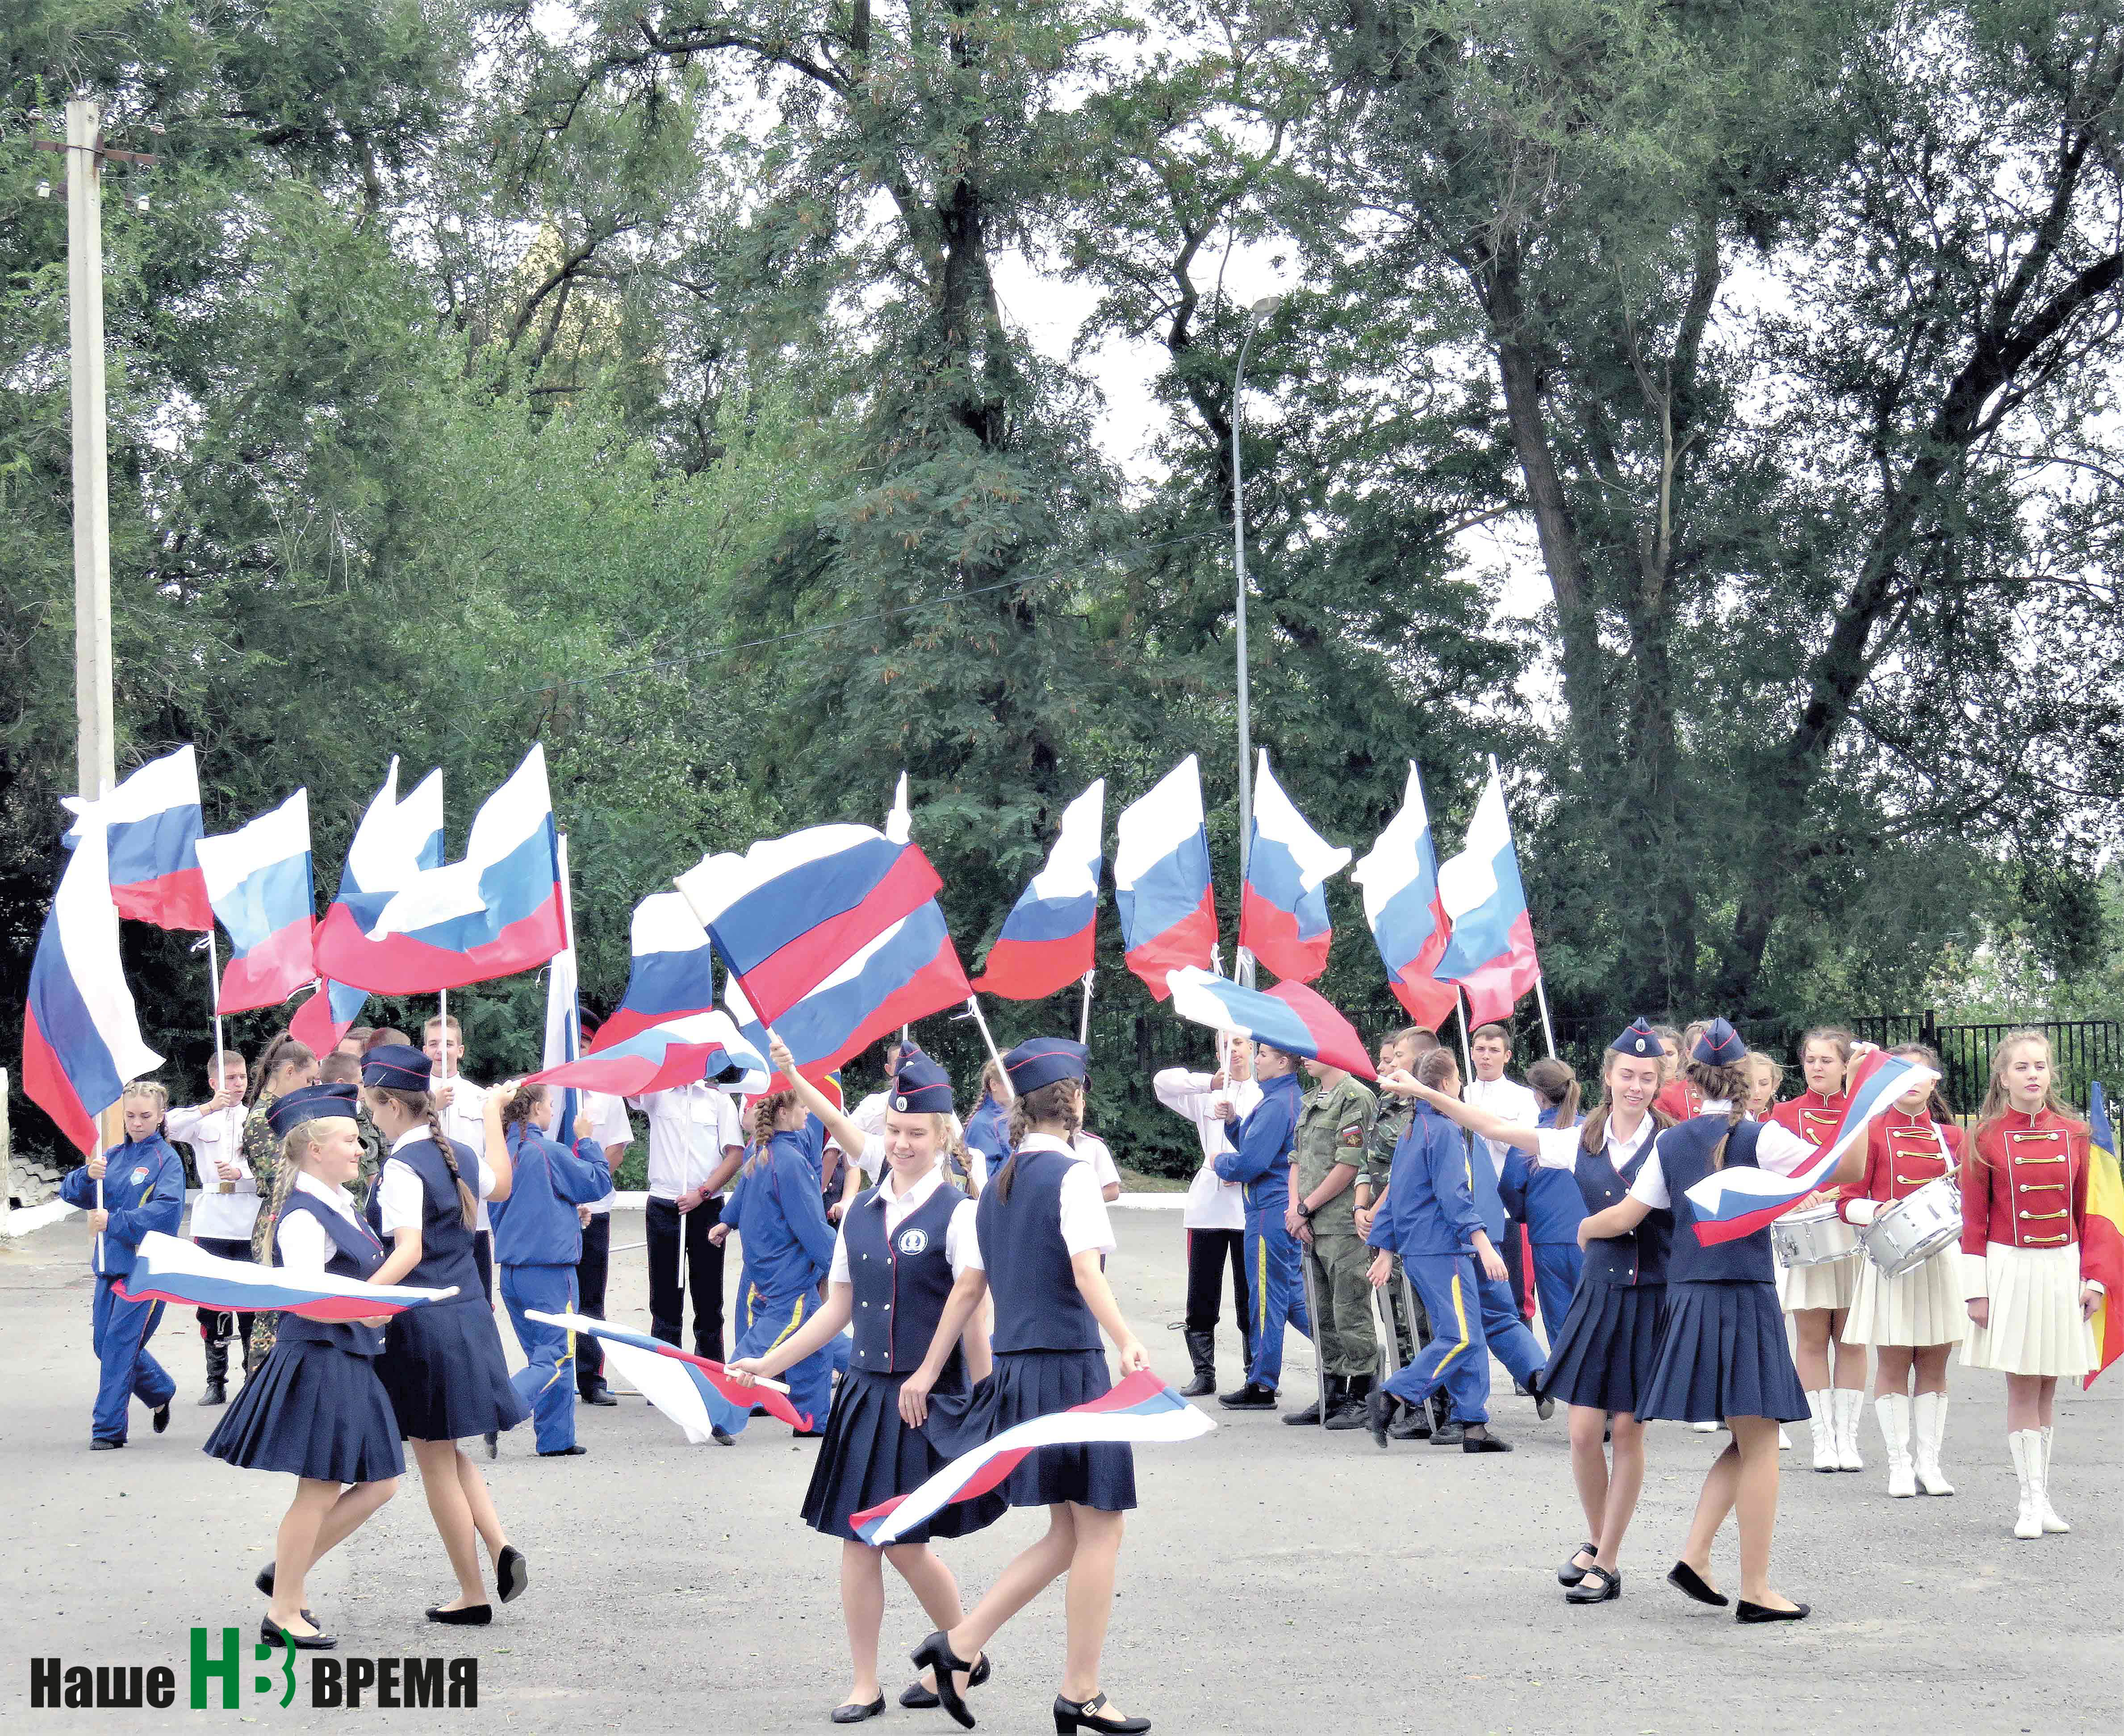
[[1378, 1406], [722, 1436], [1570, 1573], [1685, 1579], [493, 1439], [599, 1395], [916, 1698], [269, 1635], [1607, 1591], [1485, 1443], [98, 1444], [934, 1654], [1746, 1612], [1544, 1406], [160, 1417], [576, 1452], [1252, 1397], [512, 1573], [1071, 1716], [856, 1710], [263, 1581], [472, 1615]]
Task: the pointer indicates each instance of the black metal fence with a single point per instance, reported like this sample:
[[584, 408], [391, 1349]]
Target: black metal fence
[[2081, 1050]]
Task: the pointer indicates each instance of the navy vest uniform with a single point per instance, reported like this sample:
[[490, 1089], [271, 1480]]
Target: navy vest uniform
[[901, 1283], [1037, 1303], [317, 1408], [1722, 1350], [1603, 1354]]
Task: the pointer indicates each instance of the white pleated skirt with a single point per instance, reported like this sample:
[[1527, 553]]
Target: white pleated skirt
[[2035, 1326], [1831, 1284], [1924, 1307]]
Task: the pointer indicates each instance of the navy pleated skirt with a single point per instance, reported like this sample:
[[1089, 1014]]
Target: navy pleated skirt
[[312, 1411], [444, 1368], [870, 1454], [1606, 1348], [1722, 1353], [1038, 1383]]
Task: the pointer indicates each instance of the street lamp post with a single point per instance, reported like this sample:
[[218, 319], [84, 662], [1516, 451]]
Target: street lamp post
[[1256, 316]]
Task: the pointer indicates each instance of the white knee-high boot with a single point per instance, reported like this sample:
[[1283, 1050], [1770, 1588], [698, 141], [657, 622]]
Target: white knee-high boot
[[1928, 1430], [1821, 1419], [2044, 1511], [1849, 1404], [1893, 1412], [2026, 1446]]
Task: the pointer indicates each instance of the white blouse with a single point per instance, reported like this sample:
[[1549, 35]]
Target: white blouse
[[961, 1246], [1560, 1146], [305, 1244]]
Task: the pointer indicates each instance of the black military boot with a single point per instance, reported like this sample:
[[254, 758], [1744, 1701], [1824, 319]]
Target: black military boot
[[217, 1372], [1202, 1352], [1321, 1408], [1349, 1412]]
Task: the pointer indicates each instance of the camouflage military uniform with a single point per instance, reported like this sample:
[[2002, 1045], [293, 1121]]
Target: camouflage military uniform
[[1334, 1126]]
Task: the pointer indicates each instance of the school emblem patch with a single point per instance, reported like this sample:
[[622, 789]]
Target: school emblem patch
[[139, 1174], [913, 1241]]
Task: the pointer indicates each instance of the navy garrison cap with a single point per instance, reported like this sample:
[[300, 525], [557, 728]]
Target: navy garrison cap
[[1043, 1061], [1639, 1039], [309, 1102], [1720, 1046], [921, 1087], [396, 1066]]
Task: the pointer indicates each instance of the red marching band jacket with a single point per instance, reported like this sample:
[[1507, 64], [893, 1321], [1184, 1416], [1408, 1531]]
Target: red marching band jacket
[[1903, 1152], [1812, 1116], [2026, 1186]]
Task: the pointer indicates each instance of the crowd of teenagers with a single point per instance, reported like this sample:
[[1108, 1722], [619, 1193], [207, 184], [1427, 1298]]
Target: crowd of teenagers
[[923, 1282]]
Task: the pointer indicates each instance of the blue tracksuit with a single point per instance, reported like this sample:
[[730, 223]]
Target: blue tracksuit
[[1548, 1201], [538, 1240], [788, 1251], [144, 1189], [1511, 1340], [987, 1132], [1260, 1162], [1430, 1221]]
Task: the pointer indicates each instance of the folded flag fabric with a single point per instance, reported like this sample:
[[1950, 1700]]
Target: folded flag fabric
[[395, 842], [696, 1394], [1409, 924], [2102, 1232], [167, 1268], [673, 973], [80, 1035], [791, 911], [684, 1051], [1731, 1203], [1491, 952], [258, 881], [1290, 1017], [1283, 905], [766, 1082], [153, 829], [1141, 1408], [1161, 888], [1047, 939]]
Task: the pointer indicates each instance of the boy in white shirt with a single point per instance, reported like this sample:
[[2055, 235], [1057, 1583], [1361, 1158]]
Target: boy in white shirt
[[695, 1147], [228, 1205]]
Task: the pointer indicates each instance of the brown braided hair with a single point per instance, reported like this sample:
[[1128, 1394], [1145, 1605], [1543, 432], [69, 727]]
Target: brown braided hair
[[1729, 1083], [1060, 1100], [422, 1104], [517, 1112]]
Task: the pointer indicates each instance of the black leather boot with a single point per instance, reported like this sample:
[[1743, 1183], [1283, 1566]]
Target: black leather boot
[[1202, 1352], [1350, 1413], [217, 1372], [1321, 1408]]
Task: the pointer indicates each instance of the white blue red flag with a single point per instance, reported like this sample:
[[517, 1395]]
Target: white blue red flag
[[167, 1268], [683, 1052], [673, 972], [1491, 952], [1408, 923], [1733, 1202], [81, 1036], [1047, 939], [497, 911], [1162, 889], [153, 827], [696, 1393], [768, 1080], [909, 971], [792, 911], [1290, 1017], [1140, 1411], [258, 881], [1283, 907], [395, 842]]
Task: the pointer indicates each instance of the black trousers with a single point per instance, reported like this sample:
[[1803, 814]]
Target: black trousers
[[1208, 1251], [482, 1256], [704, 1274], [220, 1322], [1513, 1251], [591, 1271]]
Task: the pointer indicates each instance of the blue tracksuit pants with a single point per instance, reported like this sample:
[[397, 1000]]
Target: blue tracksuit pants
[[1511, 1340], [1458, 1355], [1279, 1296], [119, 1330], [547, 1382], [1556, 1268], [769, 1321]]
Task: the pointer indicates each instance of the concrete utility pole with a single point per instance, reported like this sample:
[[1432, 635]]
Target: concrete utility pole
[[1243, 967]]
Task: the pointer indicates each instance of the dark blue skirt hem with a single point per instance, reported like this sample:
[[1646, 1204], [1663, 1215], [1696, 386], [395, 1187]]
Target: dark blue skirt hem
[[1607, 1347], [1038, 1383], [312, 1411], [870, 1454], [1722, 1353]]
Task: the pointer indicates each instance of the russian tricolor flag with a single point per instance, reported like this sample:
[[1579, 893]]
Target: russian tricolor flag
[[1731, 1203], [394, 843], [1046, 942], [153, 829], [497, 911], [673, 973], [908, 973], [80, 1037], [1407, 920], [1161, 888], [695, 1392], [167, 1268], [1283, 907], [680, 1052], [1290, 1017], [258, 881], [1491, 951], [791, 911]]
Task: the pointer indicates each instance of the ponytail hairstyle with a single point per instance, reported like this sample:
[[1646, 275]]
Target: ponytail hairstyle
[[517, 1111], [422, 1104], [1936, 1108], [1995, 1100], [1060, 1100], [283, 1051], [1556, 1086], [1728, 1083]]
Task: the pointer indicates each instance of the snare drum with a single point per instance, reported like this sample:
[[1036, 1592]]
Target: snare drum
[[1814, 1237], [1908, 1232]]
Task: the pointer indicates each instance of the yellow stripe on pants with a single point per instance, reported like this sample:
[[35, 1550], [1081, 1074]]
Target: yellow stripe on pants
[[795, 1320], [1460, 1320]]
